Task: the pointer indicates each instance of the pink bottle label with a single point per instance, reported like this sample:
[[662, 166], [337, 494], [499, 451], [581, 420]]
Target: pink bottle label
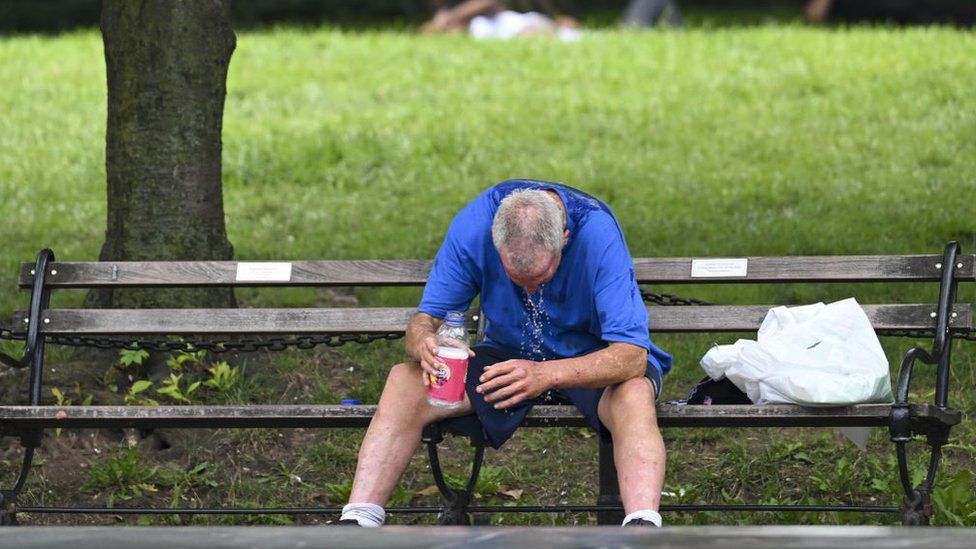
[[448, 385]]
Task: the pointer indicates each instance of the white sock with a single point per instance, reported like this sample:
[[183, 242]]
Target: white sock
[[369, 515], [646, 514]]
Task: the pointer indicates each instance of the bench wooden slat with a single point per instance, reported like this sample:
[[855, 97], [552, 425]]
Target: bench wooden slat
[[409, 272], [713, 318], [745, 318], [868, 268], [353, 272], [321, 416]]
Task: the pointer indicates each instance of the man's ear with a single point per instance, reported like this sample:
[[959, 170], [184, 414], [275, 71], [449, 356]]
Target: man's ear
[[565, 237]]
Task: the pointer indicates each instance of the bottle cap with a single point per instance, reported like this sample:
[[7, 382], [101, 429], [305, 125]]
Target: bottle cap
[[349, 402], [454, 318]]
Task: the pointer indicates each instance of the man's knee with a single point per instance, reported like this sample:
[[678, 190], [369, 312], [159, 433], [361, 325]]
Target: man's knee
[[404, 387], [636, 391], [404, 372], [629, 399]]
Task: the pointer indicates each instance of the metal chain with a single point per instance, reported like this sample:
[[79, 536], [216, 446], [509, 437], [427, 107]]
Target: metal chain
[[216, 345], [9, 334], [670, 300], [928, 334]]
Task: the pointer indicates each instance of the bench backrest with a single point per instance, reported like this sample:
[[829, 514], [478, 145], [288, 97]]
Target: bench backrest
[[333, 273], [411, 272]]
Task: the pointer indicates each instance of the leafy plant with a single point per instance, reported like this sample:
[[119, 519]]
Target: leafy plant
[[123, 476], [489, 481], [182, 359], [173, 388], [223, 378], [128, 358], [401, 497], [182, 480], [543, 440], [290, 474], [955, 501], [134, 394], [840, 479], [338, 492], [681, 494], [60, 399]]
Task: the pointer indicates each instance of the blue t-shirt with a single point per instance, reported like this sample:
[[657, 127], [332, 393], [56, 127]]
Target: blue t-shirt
[[591, 301]]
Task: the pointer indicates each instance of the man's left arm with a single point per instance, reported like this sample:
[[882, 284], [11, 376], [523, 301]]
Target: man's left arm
[[510, 382]]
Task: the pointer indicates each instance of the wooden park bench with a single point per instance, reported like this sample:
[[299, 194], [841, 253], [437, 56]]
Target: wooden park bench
[[943, 320]]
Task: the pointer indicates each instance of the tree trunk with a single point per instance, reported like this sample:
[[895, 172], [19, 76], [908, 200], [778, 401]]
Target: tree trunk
[[166, 64]]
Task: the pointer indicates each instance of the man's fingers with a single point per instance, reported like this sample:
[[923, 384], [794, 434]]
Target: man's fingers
[[495, 383], [518, 397], [430, 368], [502, 393], [496, 370]]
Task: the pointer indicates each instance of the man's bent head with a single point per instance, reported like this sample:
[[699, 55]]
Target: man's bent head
[[529, 233]]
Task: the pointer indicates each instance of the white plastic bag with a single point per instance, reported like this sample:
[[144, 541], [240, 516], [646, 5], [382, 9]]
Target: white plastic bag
[[814, 355]]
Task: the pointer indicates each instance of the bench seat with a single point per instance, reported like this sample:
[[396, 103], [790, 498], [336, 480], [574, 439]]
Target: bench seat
[[336, 416]]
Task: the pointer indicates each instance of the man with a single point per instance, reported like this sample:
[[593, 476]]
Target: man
[[565, 320]]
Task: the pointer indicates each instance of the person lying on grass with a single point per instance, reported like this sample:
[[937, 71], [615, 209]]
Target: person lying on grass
[[491, 19]]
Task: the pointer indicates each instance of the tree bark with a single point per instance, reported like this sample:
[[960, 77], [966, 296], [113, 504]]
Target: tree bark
[[166, 64]]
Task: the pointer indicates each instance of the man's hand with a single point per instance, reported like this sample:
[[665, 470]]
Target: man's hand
[[427, 356], [510, 382]]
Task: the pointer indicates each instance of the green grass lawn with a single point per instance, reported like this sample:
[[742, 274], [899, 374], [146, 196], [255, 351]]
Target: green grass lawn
[[733, 141]]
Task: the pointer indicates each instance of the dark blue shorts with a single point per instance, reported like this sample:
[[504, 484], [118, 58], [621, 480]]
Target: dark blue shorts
[[496, 426]]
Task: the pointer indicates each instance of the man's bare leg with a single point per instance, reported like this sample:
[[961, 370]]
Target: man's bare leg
[[627, 410], [394, 433]]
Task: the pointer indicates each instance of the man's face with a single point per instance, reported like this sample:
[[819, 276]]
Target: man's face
[[543, 269]]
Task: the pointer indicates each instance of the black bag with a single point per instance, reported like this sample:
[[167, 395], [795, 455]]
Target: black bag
[[723, 391]]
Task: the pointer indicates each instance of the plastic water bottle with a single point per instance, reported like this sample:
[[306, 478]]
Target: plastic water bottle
[[446, 389]]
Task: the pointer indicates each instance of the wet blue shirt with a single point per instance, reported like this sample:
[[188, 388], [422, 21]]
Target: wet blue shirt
[[592, 300]]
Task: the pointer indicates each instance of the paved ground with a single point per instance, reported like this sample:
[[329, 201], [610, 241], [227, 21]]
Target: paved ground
[[711, 537]]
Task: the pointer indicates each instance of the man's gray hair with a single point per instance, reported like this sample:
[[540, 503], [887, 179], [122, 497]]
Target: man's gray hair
[[528, 221]]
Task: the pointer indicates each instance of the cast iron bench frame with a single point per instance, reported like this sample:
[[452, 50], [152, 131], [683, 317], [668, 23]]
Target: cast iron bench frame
[[945, 320]]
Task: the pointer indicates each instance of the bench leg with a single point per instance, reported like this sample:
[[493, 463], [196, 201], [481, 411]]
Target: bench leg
[[916, 509], [456, 501], [8, 513], [34, 352], [609, 486], [8, 498]]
